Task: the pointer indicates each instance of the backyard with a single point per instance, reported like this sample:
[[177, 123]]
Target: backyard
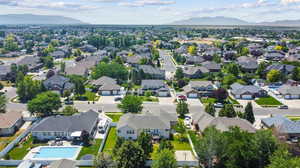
[[114, 116], [4, 141], [268, 101], [111, 140], [90, 150]]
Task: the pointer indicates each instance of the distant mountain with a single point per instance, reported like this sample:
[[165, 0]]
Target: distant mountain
[[291, 23], [219, 20], [37, 19]]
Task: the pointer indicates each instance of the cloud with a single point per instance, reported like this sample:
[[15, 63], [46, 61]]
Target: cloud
[[286, 2], [141, 3]]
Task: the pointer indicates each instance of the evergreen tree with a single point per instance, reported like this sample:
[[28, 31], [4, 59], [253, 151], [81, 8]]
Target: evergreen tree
[[210, 109], [249, 113]]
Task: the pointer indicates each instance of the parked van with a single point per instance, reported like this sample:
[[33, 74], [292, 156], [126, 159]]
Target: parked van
[[103, 124]]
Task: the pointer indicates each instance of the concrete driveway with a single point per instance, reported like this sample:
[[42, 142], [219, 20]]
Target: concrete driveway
[[166, 100], [108, 100], [245, 102], [291, 103], [194, 102], [184, 156]]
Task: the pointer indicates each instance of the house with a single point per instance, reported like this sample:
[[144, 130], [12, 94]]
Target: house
[[203, 120], [58, 83], [109, 89], [284, 126], [293, 57], [63, 163], [130, 126], [102, 81], [32, 62], [194, 72], [194, 60], [157, 87], [88, 48], [247, 64], [4, 72], [284, 69], [274, 55], [64, 126], [151, 72], [196, 89], [10, 122], [247, 91], [58, 54], [83, 67], [289, 92], [212, 66]]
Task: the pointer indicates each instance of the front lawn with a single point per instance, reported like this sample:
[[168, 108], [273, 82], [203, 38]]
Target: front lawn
[[268, 101], [114, 116], [87, 96], [208, 100], [20, 151], [293, 118], [180, 142], [111, 140], [90, 150], [149, 99]]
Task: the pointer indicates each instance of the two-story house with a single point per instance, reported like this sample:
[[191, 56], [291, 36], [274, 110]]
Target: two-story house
[[196, 89]]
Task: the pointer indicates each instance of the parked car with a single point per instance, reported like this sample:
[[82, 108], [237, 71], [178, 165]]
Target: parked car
[[68, 102], [181, 98], [294, 140], [218, 105], [103, 124], [283, 107], [118, 98]]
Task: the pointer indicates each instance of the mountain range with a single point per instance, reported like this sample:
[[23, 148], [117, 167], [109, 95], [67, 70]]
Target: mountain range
[[30, 19], [225, 21]]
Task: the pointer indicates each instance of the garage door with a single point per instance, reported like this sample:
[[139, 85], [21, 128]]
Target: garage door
[[247, 97], [193, 95], [162, 94], [295, 96], [115, 92], [105, 93], [287, 96]]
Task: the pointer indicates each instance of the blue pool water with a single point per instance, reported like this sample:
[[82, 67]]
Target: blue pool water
[[56, 152]]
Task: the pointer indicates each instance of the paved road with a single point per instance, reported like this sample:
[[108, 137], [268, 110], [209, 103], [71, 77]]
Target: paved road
[[168, 64]]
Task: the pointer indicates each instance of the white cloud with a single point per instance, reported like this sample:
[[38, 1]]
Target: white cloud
[[289, 1], [141, 3]]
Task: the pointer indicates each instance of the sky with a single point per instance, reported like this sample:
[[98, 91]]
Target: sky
[[155, 11]]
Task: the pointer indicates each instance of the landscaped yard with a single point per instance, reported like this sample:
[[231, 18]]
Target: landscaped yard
[[4, 141], [91, 150], [233, 101], [111, 140], [114, 116], [149, 99], [293, 118], [208, 100], [19, 152], [88, 96], [181, 145], [268, 101]]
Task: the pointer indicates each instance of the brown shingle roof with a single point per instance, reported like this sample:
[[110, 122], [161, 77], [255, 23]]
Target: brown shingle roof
[[8, 119]]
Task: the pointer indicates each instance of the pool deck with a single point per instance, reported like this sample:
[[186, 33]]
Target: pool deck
[[30, 155]]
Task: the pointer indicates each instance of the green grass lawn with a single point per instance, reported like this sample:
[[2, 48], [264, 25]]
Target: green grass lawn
[[114, 116], [181, 145], [4, 141], [19, 152], [7, 167], [268, 101], [92, 149], [208, 100], [149, 99], [111, 140], [293, 118]]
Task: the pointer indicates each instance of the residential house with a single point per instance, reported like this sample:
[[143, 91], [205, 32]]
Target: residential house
[[130, 126], [194, 60], [289, 91], [107, 86], [274, 55], [157, 87], [203, 120], [212, 66], [32, 62], [196, 89], [151, 72], [293, 57], [194, 72], [4, 72], [58, 54], [59, 84], [247, 92], [63, 163], [284, 69], [10, 122], [284, 126], [64, 126], [247, 64], [88, 48]]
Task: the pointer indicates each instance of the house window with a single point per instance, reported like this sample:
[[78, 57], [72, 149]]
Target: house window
[[130, 132], [119, 131]]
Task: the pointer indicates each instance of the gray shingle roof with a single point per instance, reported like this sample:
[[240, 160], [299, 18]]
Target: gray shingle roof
[[288, 89], [4, 69], [152, 84], [239, 89], [110, 87], [63, 163], [283, 124], [58, 80], [148, 69], [103, 80]]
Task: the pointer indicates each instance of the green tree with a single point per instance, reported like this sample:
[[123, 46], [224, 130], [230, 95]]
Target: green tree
[[119, 143], [228, 111], [283, 159], [131, 104], [27, 89], [148, 93], [273, 76], [182, 108], [233, 69], [3, 101], [164, 159], [261, 69], [210, 109], [229, 80], [113, 70], [44, 104], [165, 144], [48, 61], [78, 81], [192, 50], [296, 74], [249, 113], [179, 74], [77, 52], [145, 141], [69, 110], [63, 67], [104, 160], [130, 155], [1, 86], [10, 43]]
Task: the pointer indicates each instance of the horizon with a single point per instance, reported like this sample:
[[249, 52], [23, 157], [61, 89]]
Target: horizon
[[155, 12]]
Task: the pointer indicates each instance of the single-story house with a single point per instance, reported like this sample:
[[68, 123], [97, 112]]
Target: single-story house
[[64, 126], [88, 48], [194, 60], [32, 62], [247, 64], [110, 89], [130, 126], [284, 69], [63, 163], [203, 120], [4, 72], [212, 66], [283, 125], [194, 72], [157, 87], [247, 92], [274, 55], [289, 92], [151, 72], [58, 83], [196, 89], [102, 81], [58, 54], [10, 122]]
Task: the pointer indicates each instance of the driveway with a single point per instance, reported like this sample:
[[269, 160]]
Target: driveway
[[107, 100], [291, 103], [245, 102], [166, 100], [194, 102], [184, 156]]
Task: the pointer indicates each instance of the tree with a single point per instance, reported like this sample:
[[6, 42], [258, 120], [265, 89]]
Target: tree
[[48, 61], [283, 159], [63, 67], [164, 159], [44, 104], [104, 160], [165, 144], [273, 76], [249, 113], [233, 69], [69, 110], [148, 93], [119, 143], [131, 104], [228, 111], [85, 137], [79, 83], [220, 94], [182, 108], [130, 155], [10, 43], [179, 74], [210, 109], [261, 69], [27, 89], [3, 101], [192, 50], [296, 74], [1, 86], [229, 80], [145, 141], [77, 52], [113, 70]]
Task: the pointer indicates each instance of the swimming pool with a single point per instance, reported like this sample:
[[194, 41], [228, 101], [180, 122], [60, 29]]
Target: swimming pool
[[56, 153]]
